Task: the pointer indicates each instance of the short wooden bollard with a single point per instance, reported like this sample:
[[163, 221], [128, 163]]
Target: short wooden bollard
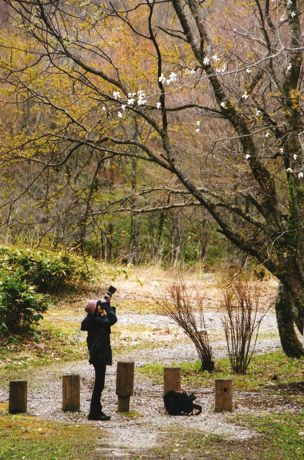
[[71, 393], [172, 379], [124, 384], [223, 395], [17, 396], [203, 334]]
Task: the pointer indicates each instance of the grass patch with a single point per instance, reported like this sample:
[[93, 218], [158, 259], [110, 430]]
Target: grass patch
[[125, 349], [154, 371], [270, 369], [53, 345], [283, 435], [131, 414], [30, 438], [280, 438]]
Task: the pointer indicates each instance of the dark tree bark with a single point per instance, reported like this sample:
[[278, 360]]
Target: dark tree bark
[[291, 345], [132, 258]]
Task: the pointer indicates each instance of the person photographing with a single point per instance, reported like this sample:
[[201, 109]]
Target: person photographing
[[100, 317]]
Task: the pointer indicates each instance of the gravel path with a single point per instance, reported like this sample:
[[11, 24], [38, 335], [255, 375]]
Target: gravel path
[[125, 437], [177, 347]]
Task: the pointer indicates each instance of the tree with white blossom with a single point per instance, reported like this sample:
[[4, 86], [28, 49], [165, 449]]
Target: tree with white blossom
[[219, 103]]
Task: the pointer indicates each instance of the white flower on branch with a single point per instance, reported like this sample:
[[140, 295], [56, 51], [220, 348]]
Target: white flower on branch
[[162, 79], [158, 105], [258, 113], [131, 101], [116, 94], [224, 105], [289, 3], [245, 95], [198, 123], [247, 156], [267, 134], [130, 95], [119, 114], [215, 58], [123, 107], [141, 97], [104, 108], [206, 61], [289, 170], [197, 130], [293, 14], [301, 175], [190, 71], [281, 150], [172, 78], [295, 156], [289, 66], [248, 70]]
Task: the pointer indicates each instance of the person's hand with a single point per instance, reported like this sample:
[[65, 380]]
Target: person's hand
[[100, 310]]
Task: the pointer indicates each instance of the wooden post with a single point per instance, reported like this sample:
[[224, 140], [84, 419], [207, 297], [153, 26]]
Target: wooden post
[[172, 379], [17, 396], [124, 384], [71, 393], [223, 395], [203, 333]]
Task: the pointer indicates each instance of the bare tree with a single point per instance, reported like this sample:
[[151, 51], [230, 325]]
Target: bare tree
[[228, 102], [242, 322], [187, 311]]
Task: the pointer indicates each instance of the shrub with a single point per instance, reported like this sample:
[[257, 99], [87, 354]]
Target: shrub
[[187, 311], [46, 270], [242, 322], [21, 306]]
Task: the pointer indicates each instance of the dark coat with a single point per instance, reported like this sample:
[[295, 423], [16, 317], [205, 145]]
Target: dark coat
[[98, 339]]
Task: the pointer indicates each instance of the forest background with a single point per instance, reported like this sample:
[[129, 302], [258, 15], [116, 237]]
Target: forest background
[[137, 131], [140, 140]]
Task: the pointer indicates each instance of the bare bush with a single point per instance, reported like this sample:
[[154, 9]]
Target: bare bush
[[187, 311], [242, 322]]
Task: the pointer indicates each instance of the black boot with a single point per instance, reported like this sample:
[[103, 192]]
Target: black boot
[[101, 417]]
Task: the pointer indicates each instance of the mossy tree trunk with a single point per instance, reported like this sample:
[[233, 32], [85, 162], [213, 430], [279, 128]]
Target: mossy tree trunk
[[291, 345]]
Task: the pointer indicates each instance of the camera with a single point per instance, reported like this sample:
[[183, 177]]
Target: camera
[[107, 297], [110, 292]]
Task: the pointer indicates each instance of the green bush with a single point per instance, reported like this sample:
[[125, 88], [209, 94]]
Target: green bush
[[48, 271], [21, 306]]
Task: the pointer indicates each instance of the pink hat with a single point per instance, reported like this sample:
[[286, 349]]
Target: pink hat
[[91, 306]]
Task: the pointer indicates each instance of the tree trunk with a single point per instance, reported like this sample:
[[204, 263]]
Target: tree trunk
[[176, 239], [291, 345], [158, 251], [132, 258]]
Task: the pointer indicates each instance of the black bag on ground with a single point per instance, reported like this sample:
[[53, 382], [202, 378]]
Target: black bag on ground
[[181, 403]]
